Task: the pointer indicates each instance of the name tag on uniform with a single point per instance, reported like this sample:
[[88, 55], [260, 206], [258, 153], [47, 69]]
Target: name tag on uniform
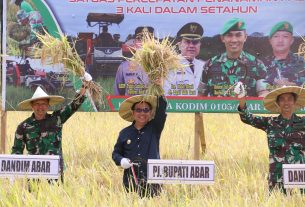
[[294, 175], [30, 166], [180, 171]]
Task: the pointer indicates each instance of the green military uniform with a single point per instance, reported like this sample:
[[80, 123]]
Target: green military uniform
[[292, 68], [35, 22], [286, 142], [44, 137], [220, 73]]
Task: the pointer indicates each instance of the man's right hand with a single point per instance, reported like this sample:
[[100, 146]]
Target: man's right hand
[[239, 90], [125, 163]]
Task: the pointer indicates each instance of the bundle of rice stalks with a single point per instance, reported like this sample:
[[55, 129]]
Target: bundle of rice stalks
[[52, 50], [157, 58], [301, 50]]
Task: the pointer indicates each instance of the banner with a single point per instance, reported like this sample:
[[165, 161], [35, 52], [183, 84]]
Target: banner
[[220, 42]]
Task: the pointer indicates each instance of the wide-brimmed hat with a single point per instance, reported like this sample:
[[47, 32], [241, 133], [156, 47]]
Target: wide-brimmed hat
[[270, 99], [40, 94], [125, 110]]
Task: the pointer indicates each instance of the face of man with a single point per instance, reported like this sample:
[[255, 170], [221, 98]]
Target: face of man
[[286, 103], [234, 41], [189, 48], [281, 41], [40, 108], [142, 113], [138, 41]]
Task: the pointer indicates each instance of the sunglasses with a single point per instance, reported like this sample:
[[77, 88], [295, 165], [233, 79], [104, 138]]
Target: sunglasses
[[144, 110], [194, 42]]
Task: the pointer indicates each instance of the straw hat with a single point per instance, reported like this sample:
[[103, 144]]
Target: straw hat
[[40, 94], [270, 99], [125, 107]]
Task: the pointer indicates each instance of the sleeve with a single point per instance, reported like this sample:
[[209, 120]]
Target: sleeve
[[117, 153], [19, 141], [261, 69], [160, 115], [253, 120], [119, 79], [66, 112]]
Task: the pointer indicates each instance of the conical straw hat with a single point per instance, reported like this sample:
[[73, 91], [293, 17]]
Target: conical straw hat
[[270, 99], [125, 107], [40, 94]]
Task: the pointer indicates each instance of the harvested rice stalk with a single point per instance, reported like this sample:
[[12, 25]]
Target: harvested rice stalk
[[301, 49], [157, 58], [52, 50]]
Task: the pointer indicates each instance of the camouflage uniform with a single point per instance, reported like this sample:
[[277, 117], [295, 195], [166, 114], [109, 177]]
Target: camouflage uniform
[[291, 68], [220, 73], [286, 142], [44, 137], [34, 21], [130, 80]]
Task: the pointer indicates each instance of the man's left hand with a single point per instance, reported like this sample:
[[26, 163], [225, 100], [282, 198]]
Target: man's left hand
[[87, 77]]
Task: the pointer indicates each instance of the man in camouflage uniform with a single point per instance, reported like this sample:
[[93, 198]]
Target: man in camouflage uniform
[[41, 133], [186, 81], [285, 133], [34, 20], [130, 78], [223, 71], [283, 67]]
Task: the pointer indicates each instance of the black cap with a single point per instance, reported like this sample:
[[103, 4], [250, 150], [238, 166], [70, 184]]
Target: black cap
[[191, 30], [142, 30]]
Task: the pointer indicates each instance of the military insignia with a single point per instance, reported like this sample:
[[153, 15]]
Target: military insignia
[[131, 81], [128, 141], [286, 26], [193, 28], [132, 66], [239, 25]]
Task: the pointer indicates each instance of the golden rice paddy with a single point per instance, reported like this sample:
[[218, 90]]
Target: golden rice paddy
[[91, 178]]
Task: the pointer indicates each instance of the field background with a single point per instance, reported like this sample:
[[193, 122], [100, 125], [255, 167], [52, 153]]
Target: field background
[[91, 179]]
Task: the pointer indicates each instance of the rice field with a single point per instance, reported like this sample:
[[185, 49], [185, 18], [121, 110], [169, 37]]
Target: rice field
[[91, 178]]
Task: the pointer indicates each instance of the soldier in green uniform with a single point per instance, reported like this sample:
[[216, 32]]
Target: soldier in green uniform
[[283, 67], [41, 133], [221, 72], [285, 133], [34, 20]]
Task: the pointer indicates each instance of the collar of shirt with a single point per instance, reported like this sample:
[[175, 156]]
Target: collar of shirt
[[143, 128], [290, 58], [33, 119], [224, 58], [294, 119]]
